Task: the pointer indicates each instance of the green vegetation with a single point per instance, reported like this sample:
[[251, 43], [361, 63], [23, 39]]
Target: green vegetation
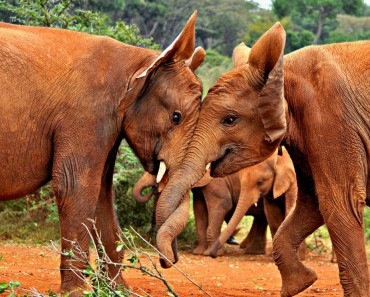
[[211, 69], [66, 14], [10, 288], [316, 16]]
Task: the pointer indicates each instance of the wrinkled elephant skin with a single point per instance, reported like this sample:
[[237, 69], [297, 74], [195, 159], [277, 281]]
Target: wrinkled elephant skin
[[67, 101], [316, 101]]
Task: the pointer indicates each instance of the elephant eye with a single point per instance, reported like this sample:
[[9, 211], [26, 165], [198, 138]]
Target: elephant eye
[[260, 182], [176, 117], [229, 120]]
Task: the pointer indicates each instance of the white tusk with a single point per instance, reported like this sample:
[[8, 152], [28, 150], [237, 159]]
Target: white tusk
[[255, 204], [161, 171], [208, 166]]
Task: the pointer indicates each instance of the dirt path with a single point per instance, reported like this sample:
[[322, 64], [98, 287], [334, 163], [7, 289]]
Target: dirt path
[[235, 274]]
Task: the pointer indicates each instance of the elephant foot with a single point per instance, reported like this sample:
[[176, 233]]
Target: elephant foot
[[199, 250], [208, 252], [73, 283], [298, 280], [253, 250], [243, 245]]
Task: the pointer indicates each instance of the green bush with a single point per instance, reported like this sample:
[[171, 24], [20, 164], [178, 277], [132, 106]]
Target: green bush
[[30, 219], [127, 172], [65, 14]]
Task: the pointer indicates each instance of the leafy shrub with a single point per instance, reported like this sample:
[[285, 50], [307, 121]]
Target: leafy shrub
[[65, 14], [130, 213]]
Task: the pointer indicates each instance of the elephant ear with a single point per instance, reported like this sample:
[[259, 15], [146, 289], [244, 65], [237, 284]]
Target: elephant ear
[[241, 55], [181, 49], [266, 58], [285, 174], [196, 59]]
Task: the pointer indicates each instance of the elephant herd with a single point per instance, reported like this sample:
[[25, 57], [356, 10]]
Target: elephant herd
[[67, 99], [267, 191]]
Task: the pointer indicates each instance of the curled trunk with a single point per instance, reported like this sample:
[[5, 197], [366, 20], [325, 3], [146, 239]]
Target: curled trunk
[[147, 180]]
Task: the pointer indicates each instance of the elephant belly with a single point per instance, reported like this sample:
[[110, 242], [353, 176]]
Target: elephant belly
[[23, 169]]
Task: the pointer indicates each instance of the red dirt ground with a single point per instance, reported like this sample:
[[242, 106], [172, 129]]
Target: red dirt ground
[[234, 274]]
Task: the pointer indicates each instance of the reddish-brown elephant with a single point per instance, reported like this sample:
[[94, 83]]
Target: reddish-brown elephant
[[316, 101], [214, 204], [67, 101], [273, 180]]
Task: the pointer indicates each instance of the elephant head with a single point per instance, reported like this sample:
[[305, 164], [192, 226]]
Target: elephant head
[[276, 174], [162, 103], [241, 123], [161, 108]]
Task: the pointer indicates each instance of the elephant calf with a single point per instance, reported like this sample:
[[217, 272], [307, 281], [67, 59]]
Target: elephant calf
[[271, 183], [216, 203]]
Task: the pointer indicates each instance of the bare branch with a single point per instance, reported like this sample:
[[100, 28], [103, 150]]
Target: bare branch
[[178, 269]]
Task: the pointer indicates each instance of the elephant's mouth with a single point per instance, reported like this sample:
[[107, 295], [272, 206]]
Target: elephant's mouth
[[216, 166], [152, 165]]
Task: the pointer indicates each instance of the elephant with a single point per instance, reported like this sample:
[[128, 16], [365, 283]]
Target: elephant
[[207, 222], [215, 200], [273, 181], [68, 99], [314, 101]]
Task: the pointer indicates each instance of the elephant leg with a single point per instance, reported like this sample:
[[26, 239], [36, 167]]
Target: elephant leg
[[217, 210], [201, 221], [304, 220], [77, 195], [255, 242], [107, 224], [274, 214], [344, 220]]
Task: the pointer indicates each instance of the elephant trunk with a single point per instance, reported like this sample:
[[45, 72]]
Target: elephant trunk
[[241, 209], [173, 205], [166, 236], [147, 180]]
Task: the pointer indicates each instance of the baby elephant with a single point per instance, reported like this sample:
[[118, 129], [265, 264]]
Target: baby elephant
[[211, 203], [272, 181]]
